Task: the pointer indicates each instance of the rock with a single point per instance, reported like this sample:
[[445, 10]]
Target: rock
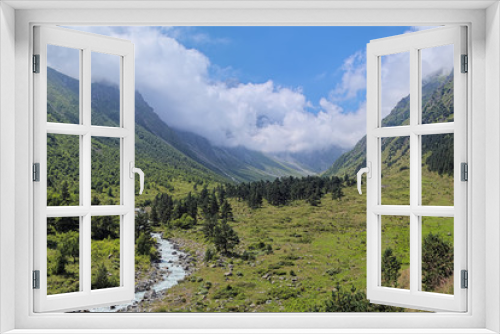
[[266, 276], [269, 301], [228, 274]]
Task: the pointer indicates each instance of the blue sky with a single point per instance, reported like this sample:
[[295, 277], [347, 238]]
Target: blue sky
[[306, 57], [270, 89]]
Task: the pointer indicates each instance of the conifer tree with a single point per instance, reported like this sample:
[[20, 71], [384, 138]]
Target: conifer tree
[[226, 211], [225, 237]]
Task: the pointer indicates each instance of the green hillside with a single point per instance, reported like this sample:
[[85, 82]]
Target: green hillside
[[437, 102], [293, 244], [166, 168]]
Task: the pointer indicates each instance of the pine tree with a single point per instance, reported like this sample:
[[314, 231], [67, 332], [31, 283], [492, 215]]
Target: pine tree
[[101, 280], [209, 227], [155, 219], [225, 237], [390, 268], [226, 211]]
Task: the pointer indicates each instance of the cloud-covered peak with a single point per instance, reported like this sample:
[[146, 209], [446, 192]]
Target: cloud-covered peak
[[179, 84]]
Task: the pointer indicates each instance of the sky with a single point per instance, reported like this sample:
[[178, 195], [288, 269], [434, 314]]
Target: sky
[[270, 89]]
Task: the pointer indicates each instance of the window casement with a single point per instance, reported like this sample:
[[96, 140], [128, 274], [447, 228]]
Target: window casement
[[482, 304], [78, 215], [413, 208]]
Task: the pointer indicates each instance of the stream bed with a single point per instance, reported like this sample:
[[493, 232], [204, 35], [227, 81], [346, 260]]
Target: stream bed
[[171, 269]]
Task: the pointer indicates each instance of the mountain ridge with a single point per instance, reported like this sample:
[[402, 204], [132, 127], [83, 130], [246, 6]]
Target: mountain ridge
[[437, 102]]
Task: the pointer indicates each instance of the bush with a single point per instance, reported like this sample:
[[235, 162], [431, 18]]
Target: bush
[[351, 301], [390, 268], [283, 293], [437, 261], [247, 256], [209, 255], [101, 280], [227, 292], [334, 271], [185, 222]]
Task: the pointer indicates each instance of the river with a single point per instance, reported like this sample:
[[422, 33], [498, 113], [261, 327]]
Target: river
[[169, 261]]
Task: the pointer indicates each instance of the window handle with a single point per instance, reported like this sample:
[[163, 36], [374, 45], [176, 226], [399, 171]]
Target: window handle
[[134, 170], [368, 171]]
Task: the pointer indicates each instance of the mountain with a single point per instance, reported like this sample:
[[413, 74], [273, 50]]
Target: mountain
[[237, 163], [316, 161], [158, 146], [437, 102], [164, 165]]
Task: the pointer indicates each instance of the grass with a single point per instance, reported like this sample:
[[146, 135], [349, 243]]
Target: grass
[[300, 252], [312, 249]]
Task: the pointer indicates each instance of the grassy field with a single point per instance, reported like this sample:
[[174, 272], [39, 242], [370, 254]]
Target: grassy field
[[295, 254], [301, 252]]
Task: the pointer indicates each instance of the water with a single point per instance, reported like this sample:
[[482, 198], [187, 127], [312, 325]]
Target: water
[[169, 261]]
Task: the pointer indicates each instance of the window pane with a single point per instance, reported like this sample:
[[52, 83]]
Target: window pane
[[395, 257], [105, 89], [105, 252], [105, 171], [437, 84], [395, 171], [63, 255], [395, 89], [63, 84], [63, 170], [437, 169], [437, 254]]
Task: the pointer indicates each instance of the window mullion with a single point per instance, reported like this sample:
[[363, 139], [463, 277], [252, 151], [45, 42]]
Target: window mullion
[[86, 165], [414, 172]]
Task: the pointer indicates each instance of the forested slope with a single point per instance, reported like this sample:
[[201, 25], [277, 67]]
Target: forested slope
[[437, 102]]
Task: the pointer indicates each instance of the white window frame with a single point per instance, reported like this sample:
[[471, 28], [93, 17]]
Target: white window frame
[[483, 21], [412, 43], [86, 44]]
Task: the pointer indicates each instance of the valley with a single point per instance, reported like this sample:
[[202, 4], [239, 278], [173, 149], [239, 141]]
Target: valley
[[262, 236]]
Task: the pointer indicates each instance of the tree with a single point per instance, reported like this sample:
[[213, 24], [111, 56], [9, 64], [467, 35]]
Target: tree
[[437, 261], [104, 227], [225, 237], [65, 195], [209, 227], [71, 245], [155, 219], [101, 280], [142, 223], [337, 193], [61, 262], [226, 211], [390, 268]]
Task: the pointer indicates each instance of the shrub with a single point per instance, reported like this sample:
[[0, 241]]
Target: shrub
[[390, 268], [437, 261], [101, 280], [227, 292], [351, 301], [283, 293], [209, 255], [334, 271]]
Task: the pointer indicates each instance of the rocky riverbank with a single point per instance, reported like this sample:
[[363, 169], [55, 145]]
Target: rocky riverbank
[[173, 266]]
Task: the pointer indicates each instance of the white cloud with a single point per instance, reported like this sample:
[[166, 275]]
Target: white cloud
[[395, 80], [178, 84], [353, 79]]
